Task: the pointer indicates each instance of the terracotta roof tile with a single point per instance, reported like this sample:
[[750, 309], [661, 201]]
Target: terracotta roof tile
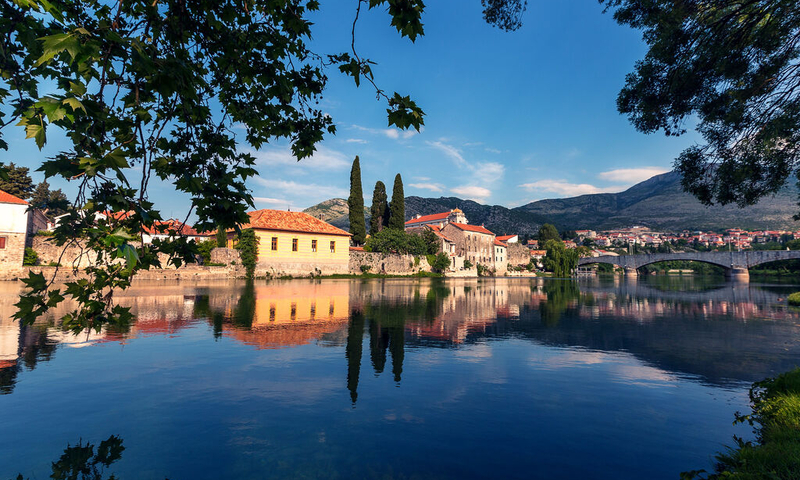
[[471, 228], [438, 231], [428, 218], [499, 243], [8, 198], [504, 238], [290, 222]]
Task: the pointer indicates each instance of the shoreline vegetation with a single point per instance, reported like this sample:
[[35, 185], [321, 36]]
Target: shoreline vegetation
[[775, 454]]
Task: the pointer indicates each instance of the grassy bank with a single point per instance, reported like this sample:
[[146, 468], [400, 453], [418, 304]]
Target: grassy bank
[[776, 452]]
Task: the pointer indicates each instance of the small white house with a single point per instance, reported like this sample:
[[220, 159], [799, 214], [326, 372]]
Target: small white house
[[17, 225]]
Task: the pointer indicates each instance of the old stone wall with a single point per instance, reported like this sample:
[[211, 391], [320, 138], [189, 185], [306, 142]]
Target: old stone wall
[[299, 269], [390, 264], [518, 254], [66, 274], [51, 254], [11, 256], [226, 256]]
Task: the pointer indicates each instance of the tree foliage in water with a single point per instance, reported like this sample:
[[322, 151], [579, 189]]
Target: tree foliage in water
[[735, 68], [355, 205]]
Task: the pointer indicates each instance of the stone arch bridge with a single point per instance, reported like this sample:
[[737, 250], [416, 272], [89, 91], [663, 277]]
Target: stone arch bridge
[[734, 263]]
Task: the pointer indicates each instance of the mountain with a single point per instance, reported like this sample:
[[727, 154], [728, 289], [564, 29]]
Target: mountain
[[660, 203], [498, 219], [333, 211]]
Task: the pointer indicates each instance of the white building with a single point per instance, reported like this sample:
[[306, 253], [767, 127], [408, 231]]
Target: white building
[[17, 225]]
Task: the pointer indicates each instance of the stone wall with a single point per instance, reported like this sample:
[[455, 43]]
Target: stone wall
[[518, 254], [11, 256], [390, 264], [66, 274], [73, 255], [226, 256], [298, 269]]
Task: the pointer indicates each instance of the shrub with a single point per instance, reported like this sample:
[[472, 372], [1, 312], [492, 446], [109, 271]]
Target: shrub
[[467, 264], [248, 250], [391, 240], [794, 299], [31, 257], [484, 271], [204, 248], [440, 262], [365, 268], [45, 233]]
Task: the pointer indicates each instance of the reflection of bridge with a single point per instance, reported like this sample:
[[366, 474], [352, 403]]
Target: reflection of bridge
[[734, 263]]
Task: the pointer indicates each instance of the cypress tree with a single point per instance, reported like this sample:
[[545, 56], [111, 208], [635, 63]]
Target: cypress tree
[[222, 237], [380, 209], [397, 207], [355, 204]]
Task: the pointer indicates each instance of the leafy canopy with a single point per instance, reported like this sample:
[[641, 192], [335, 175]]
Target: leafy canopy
[[734, 68]]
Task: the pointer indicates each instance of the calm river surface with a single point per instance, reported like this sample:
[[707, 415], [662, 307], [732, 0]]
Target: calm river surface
[[597, 378]]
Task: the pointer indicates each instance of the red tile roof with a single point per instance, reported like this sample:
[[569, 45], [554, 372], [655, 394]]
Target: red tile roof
[[8, 198], [438, 231], [504, 238], [428, 218], [471, 228], [499, 243], [167, 227], [291, 222]]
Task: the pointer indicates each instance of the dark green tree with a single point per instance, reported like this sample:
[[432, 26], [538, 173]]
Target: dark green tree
[[547, 232], [731, 67], [248, 250], [397, 207], [222, 237], [18, 183], [355, 203], [559, 259], [379, 212], [52, 202]]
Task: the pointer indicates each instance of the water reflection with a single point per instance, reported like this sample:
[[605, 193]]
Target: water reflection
[[720, 332]]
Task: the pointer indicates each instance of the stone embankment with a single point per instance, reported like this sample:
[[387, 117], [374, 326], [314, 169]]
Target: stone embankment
[[389, 264]]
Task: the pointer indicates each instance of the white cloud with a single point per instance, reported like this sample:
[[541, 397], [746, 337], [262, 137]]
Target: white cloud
[[422, 179], [308, 191], [493, 150], [271, 201], [472, 192], [572, 153], [435, 187], [632, 175], [567, 189], [356, 140], [450, 151], [393, 133], [323, 159], [488, 172]]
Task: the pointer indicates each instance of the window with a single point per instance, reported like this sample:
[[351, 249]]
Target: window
[[333, 246], [274, 243], [293, 311], [313, 245], [294, 244], [2, 242], [272, 312]]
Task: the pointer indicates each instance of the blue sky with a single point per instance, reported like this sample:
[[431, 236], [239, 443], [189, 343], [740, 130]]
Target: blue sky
[[511, 117]]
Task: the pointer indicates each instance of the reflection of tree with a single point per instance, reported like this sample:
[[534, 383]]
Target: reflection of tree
[[245, 310], [355, 340], [81, 462], [559, 295], [34, 347], [378, 343], [202, 309]]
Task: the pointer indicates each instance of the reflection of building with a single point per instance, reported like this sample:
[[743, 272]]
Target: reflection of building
[[297, 243], [294, 313]]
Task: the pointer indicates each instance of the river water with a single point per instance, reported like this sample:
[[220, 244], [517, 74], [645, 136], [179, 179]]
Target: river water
[[597, 378]]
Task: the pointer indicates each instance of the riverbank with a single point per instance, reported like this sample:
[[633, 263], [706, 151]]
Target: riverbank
[[776, 417]]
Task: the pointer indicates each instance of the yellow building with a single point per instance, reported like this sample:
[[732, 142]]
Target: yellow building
[[295, 243]]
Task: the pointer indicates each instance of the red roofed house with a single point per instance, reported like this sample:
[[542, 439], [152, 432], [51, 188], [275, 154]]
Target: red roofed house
[[296, 243], [437, 219], [475, 243], [170, 229], [17, 225], [509, 238]]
